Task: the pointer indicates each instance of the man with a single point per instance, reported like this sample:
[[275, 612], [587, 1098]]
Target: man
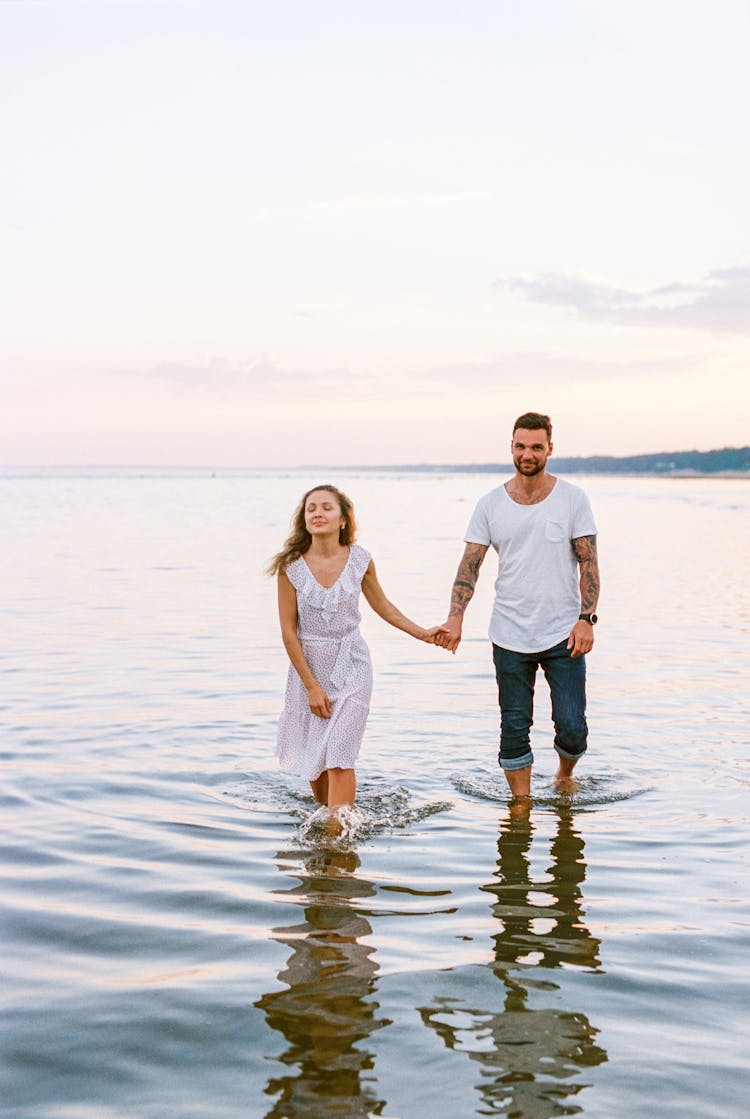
[[546, 593]]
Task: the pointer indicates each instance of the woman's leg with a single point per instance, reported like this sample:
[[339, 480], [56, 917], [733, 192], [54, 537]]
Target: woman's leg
[[320, 788], [342, 787]]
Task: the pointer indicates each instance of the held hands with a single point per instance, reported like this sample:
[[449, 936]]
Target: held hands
[[448, 636], [432, 636]]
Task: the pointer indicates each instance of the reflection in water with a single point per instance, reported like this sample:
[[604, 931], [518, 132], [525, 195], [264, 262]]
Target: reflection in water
[[328, 1007], [531, 1049]]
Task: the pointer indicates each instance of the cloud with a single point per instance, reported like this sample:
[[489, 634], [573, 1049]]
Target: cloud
[[221, 377], [717, 303], [267, 379]]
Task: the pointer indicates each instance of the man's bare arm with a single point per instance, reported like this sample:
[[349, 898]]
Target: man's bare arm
[[584, 549], [466, 578], [462, 594], [581, 638]]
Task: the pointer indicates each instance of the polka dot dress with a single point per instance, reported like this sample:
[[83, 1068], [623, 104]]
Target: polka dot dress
[[328, 629]]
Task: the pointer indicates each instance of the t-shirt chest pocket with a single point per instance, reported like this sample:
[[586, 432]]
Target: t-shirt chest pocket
[[554, 531]]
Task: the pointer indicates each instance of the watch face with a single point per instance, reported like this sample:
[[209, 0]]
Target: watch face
[[594, 619]]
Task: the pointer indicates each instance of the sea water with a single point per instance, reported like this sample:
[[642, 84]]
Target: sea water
[[184, 938]]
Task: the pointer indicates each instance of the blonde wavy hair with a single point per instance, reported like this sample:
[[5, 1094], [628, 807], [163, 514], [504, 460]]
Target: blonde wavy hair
[[298, 541]]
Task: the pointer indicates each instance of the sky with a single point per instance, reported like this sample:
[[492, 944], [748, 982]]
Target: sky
[[267, 234]]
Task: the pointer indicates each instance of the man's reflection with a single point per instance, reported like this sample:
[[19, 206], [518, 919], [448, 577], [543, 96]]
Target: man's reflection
[[532, 1048], [328, 1007]]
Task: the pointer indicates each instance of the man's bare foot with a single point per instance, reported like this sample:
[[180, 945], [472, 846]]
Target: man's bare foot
[[519, 781], [565, 781], [520, 808]]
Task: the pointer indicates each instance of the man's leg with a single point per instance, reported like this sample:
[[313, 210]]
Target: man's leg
[[566, 677], [515, 673]]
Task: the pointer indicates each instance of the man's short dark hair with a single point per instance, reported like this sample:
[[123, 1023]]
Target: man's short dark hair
[[534, 421]]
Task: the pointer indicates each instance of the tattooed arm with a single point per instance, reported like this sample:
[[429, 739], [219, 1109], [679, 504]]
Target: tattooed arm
[[461, 595], [581, 638]]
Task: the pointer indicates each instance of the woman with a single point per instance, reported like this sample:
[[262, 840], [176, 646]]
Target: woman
[[321, 571]]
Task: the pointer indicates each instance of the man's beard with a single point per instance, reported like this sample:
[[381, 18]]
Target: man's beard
[[530, 469]]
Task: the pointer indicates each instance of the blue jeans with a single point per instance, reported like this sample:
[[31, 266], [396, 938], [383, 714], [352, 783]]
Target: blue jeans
[[566, 676]]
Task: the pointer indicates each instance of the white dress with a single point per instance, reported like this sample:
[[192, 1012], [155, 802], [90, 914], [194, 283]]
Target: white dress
[[328, 629]]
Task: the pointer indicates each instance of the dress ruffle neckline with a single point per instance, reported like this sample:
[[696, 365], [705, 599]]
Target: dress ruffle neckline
[[328, 599]]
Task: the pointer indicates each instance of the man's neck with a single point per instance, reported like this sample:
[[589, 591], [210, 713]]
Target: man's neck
[[530, 491]]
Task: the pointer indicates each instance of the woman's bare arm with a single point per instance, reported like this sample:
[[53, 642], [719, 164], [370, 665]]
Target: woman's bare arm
[[320, 704], [388, 611]]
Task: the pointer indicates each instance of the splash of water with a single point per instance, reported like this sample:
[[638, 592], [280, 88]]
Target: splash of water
[[378, 810], [344, 825]]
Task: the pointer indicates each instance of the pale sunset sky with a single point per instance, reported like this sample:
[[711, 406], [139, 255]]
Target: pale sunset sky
[[328, 231]]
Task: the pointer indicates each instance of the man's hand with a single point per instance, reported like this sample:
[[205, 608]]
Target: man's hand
[[449, 635], [581, 638]]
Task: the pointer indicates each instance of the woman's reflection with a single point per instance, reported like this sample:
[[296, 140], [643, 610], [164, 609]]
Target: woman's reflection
[[531, 1049], [328, 1007]]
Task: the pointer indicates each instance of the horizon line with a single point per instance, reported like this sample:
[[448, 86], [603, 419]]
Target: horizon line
[[473, 465]]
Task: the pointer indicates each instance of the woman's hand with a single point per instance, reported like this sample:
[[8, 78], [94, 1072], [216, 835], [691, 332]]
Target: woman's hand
[[320, 704]]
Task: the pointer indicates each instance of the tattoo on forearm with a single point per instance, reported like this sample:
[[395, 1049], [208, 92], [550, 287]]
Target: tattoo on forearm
[[466, 581], [461, 596], [462, 583], [589, 589], [585, 552]]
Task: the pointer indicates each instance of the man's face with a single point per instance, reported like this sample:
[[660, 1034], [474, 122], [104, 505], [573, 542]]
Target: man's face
[[530, 450]]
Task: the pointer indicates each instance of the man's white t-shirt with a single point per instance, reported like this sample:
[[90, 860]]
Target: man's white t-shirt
[[537, 590]]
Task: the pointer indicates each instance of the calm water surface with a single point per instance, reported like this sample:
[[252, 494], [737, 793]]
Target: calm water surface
[[180, 939]]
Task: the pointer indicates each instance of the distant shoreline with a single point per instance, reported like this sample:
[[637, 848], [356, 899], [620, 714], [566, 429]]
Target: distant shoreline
[[74, 471], [728, 462], [556, 466]]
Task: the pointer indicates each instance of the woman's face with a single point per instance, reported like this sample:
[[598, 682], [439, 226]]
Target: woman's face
[[323, 514]]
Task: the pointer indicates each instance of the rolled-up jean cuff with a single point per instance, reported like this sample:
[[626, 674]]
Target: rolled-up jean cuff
[[517, 763], [569, 756]]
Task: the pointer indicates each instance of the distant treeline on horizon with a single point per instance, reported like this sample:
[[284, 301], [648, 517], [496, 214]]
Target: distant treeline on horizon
[[728, 460]]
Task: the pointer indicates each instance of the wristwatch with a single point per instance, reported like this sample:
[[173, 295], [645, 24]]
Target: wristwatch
[[592, 619]]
